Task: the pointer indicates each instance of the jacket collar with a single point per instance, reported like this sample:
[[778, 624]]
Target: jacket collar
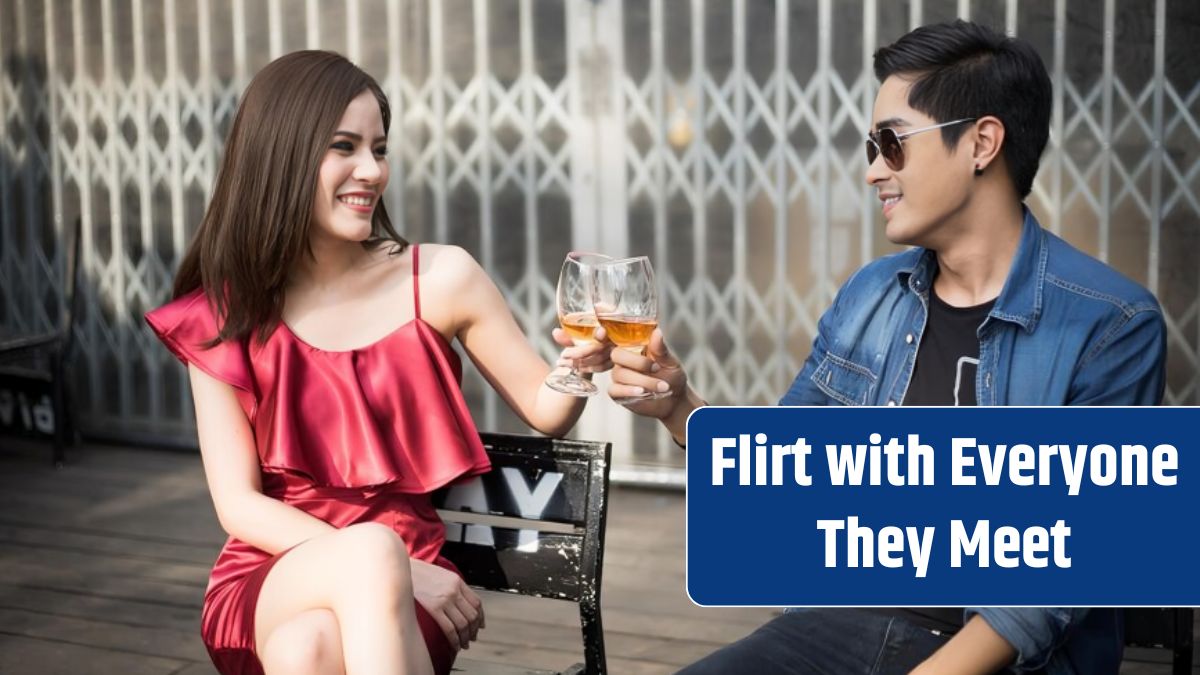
[[1020, 301]]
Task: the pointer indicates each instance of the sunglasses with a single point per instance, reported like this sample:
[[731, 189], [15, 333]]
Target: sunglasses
[[887, 142]]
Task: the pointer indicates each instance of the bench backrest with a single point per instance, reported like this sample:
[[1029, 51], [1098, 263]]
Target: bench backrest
[[33, 375], [535, 525]]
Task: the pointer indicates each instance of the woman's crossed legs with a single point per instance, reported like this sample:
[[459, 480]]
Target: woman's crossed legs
[[341, 603]]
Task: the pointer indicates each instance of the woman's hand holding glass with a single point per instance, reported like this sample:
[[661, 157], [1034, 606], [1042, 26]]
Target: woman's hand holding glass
[[584, 353], [594, 356]]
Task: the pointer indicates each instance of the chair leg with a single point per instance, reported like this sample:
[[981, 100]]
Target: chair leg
[[1181, 661], [592, 626], [60, 412]]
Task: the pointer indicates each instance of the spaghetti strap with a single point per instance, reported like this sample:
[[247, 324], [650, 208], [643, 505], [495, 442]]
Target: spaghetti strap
[[416, 283]]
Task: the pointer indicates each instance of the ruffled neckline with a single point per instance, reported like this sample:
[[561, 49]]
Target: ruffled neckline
[[387, 337], [390, 413]]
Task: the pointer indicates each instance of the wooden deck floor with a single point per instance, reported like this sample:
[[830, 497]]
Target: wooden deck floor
[[103, 565]]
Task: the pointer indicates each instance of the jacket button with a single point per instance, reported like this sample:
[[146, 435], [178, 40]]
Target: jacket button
[[891, 404], [908, 339]]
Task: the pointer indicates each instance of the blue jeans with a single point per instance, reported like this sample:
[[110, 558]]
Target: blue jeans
[[825, 642]]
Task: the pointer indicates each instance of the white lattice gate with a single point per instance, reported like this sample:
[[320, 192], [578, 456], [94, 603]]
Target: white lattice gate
[[721, 137]]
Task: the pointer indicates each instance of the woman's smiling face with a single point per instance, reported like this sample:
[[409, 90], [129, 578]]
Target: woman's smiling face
[[353, 173]]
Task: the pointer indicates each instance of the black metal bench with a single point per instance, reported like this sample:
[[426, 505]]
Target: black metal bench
[[1162, 629], [34, 393], [549, 502]]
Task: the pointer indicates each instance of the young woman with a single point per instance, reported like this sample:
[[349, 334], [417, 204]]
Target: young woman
[[327, 392]]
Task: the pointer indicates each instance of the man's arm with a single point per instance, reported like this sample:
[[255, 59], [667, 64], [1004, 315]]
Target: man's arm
[[804, 391], [659, 371], [975, 650], [1127, 366], [995, 637]]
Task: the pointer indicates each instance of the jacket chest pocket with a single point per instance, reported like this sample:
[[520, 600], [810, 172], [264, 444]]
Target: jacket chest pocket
[[844, 381]]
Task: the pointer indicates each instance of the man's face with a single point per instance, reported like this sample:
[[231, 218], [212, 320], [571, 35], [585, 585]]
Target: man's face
[[920, 200]]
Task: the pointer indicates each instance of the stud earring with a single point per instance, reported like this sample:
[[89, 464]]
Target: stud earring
[[978, 170]]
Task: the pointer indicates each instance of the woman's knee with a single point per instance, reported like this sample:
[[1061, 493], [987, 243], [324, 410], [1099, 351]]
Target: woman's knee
[[374, 553], [309, 644], [373, 538]]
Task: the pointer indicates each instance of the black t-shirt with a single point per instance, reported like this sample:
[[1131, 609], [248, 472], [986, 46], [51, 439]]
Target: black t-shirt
[[948, 356], [947, 361]]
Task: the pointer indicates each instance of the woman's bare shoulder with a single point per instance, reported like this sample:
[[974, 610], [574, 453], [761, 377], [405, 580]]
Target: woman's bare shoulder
[[454, 286], [443, 253], [451, 268]]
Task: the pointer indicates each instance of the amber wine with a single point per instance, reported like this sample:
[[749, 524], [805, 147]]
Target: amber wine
[[628, 331], [580, 326]]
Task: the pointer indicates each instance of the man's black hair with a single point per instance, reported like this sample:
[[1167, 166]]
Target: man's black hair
[[963, 69]]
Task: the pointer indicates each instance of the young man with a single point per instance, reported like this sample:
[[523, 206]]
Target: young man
[[987, 309]]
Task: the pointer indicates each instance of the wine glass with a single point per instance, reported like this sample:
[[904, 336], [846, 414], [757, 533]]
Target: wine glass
[[625, 300], [576, 317]]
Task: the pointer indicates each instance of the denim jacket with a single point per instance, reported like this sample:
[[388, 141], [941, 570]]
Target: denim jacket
[[1065, 330]]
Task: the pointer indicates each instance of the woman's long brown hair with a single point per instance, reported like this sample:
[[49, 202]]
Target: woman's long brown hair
[[257, 224]]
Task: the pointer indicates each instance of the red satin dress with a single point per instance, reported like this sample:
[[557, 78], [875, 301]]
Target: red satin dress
[[349, 437]]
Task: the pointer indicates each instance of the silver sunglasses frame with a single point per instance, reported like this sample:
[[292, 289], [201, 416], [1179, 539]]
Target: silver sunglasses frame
[[871, 135]]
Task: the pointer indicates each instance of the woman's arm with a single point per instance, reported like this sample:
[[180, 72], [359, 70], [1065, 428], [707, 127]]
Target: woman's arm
[[493, 340], [232, 470]]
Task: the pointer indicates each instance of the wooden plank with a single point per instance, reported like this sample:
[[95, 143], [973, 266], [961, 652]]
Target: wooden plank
[[549, 659], [716, 627], [102, 461], [712, 626], [184, 519], [668, 602], [172, 516], [97, 564], [72, 480], [82, 541], [165, 643], [29, 498], [519, 622], [468, 667], [565, 637], [206, 668], [79, 580], [165, 511], [674, 619], [89, 606], [100, 457], [21, 655]]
